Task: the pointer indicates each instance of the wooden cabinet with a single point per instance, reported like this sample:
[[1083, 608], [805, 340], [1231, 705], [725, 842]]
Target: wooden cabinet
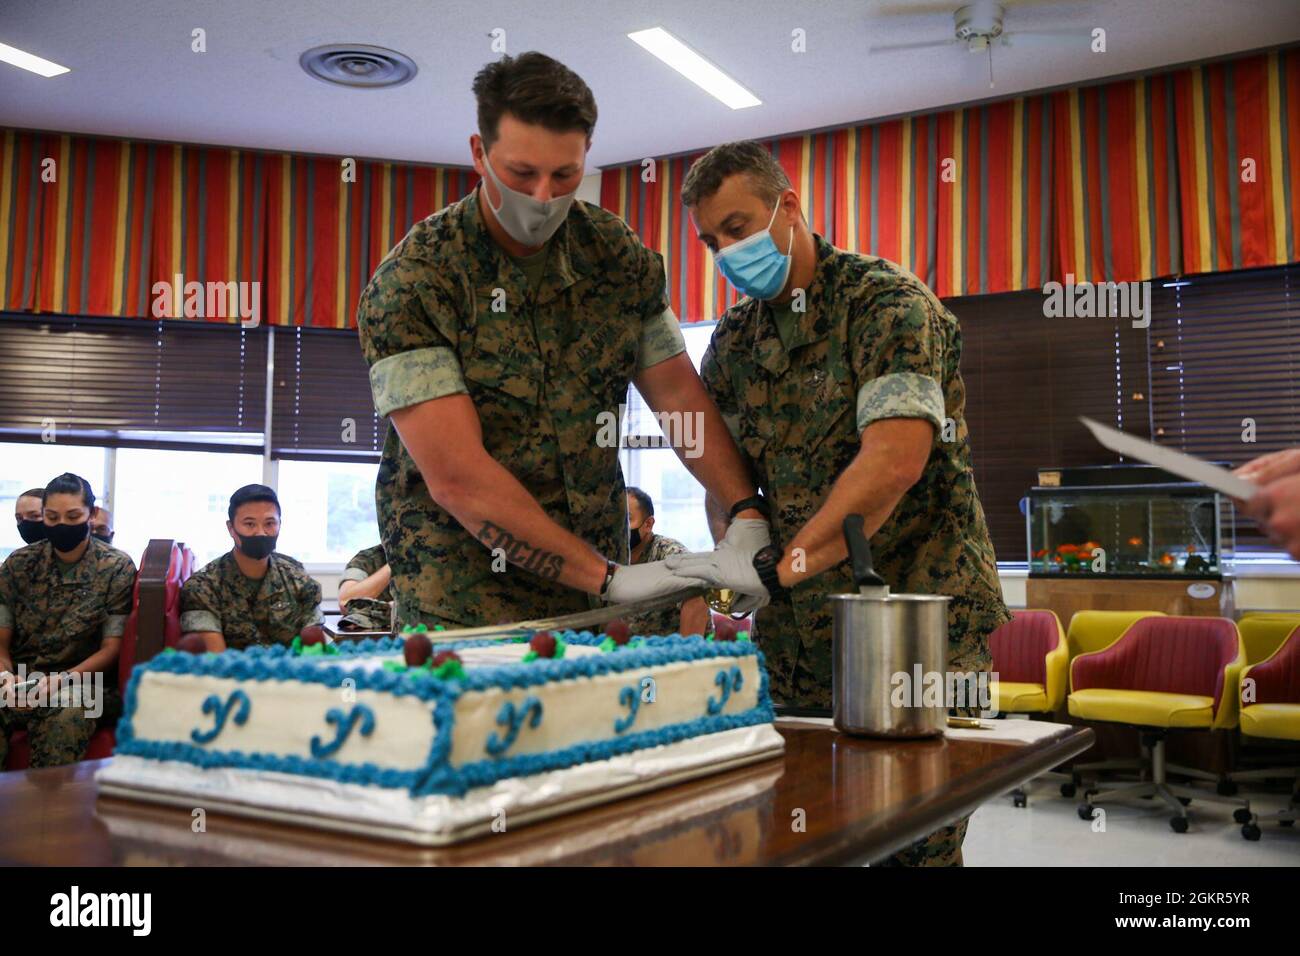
[[1183, 597]]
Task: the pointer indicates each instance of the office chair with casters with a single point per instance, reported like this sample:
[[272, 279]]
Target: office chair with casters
[[1163, 675], [1030, 661]]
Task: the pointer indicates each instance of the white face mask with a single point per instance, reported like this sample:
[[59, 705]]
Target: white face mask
[[526, 220]]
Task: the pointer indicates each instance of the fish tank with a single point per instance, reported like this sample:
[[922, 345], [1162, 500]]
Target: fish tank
[[1127, 521]]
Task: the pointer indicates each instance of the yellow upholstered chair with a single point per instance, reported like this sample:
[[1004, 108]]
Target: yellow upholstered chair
[[1270, 708], [1095, 631], [1030, 663], [1164, 674]]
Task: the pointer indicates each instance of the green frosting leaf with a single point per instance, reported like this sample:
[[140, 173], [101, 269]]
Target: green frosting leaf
[[449, 670]]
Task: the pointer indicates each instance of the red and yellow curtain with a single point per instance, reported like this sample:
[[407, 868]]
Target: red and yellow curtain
[[1194, 170], [87, 226]]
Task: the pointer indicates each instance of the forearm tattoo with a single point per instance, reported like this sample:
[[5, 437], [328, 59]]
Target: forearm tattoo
[[545, 564]]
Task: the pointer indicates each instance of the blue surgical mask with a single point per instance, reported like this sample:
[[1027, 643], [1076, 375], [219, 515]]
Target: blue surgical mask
[[755, 265]]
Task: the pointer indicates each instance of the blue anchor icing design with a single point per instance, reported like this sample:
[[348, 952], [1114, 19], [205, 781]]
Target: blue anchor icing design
[[214, 705], [728, 681], [630, 699], [512, 718], [345, 723]]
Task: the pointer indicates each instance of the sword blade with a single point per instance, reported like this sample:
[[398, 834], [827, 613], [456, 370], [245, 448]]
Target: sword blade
[[567, 622]]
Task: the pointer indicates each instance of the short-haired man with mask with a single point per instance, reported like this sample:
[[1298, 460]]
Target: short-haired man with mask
[[839, 377], [30, 515], [691, 616], [252, 594], [502, 334], [101, 525]]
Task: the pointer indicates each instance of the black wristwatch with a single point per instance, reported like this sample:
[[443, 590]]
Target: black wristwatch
[[757, 502], [765, 563]]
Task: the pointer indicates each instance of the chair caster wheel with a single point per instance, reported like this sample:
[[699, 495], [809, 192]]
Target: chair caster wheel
[[1184, 800], [1019, 801], [1068, 790], [1250, 832], [1241, 815], [1179, 824], [1085, 811], [1226, 788]]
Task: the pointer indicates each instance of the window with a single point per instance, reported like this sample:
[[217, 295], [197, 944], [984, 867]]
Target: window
[[329, 510], [678, 498], [1225, 361], [164, 493], [34, 466]]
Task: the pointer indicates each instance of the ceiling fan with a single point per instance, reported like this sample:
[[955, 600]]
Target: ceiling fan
[[979, 26]]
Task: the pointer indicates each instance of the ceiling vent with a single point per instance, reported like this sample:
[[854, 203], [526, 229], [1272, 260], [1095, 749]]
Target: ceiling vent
[[359, 65]]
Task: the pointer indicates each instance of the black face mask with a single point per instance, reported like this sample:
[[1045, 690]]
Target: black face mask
[[66, 537], [106, 538], [634, 538], [31, 531], [256, 546]]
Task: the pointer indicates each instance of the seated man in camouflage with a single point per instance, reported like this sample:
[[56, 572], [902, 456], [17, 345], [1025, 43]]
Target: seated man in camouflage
[[29, 514], [64, 601], [252, 594], [690, 617], [364, 592]]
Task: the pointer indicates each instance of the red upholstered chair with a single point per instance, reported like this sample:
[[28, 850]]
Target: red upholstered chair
[[1164, 674], [1029, 660], [1270, 709], [154, 623]]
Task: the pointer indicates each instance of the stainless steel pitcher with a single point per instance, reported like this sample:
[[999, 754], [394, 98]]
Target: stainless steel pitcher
[[890, 653]]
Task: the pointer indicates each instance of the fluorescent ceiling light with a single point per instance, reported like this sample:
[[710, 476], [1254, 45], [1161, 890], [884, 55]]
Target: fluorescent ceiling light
[[694, 67], [29, 61]]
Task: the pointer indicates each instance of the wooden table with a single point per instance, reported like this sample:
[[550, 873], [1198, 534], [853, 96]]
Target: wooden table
[[858, 801]]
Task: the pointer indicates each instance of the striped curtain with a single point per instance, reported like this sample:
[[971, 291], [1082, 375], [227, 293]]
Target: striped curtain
[[1183, 172], [88, 225]]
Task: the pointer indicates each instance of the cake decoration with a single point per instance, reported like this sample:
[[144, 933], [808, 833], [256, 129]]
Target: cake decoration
[[631, 699], [345, 724], [544, 644], [619, 635], [214, 705], [447, 665], [416, 648], [512, 718], [728, 681], [302, 646]]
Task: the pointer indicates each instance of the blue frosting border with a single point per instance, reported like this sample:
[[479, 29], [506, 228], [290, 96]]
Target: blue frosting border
[[435, 776]]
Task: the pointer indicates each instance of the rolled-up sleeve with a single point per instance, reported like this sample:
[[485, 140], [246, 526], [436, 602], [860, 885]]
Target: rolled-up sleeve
[[661, 333], [121, 598], [197, 612], [898, 359], [407, 321]]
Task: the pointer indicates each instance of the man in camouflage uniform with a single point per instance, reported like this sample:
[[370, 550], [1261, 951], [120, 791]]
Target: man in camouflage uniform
[[502, 334], [365, 592], [251, 594], [64, 602], [841, 383], [692, 617]]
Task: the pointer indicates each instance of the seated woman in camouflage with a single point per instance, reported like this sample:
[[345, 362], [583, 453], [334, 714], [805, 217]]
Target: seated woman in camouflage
[[251, 594], [64, 602]]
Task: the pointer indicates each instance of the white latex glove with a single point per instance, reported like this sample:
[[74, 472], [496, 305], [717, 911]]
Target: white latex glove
[[641, 582], [725, 567], [747, 534]]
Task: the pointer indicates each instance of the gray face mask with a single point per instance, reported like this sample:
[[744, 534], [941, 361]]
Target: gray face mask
[[528, 221]]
